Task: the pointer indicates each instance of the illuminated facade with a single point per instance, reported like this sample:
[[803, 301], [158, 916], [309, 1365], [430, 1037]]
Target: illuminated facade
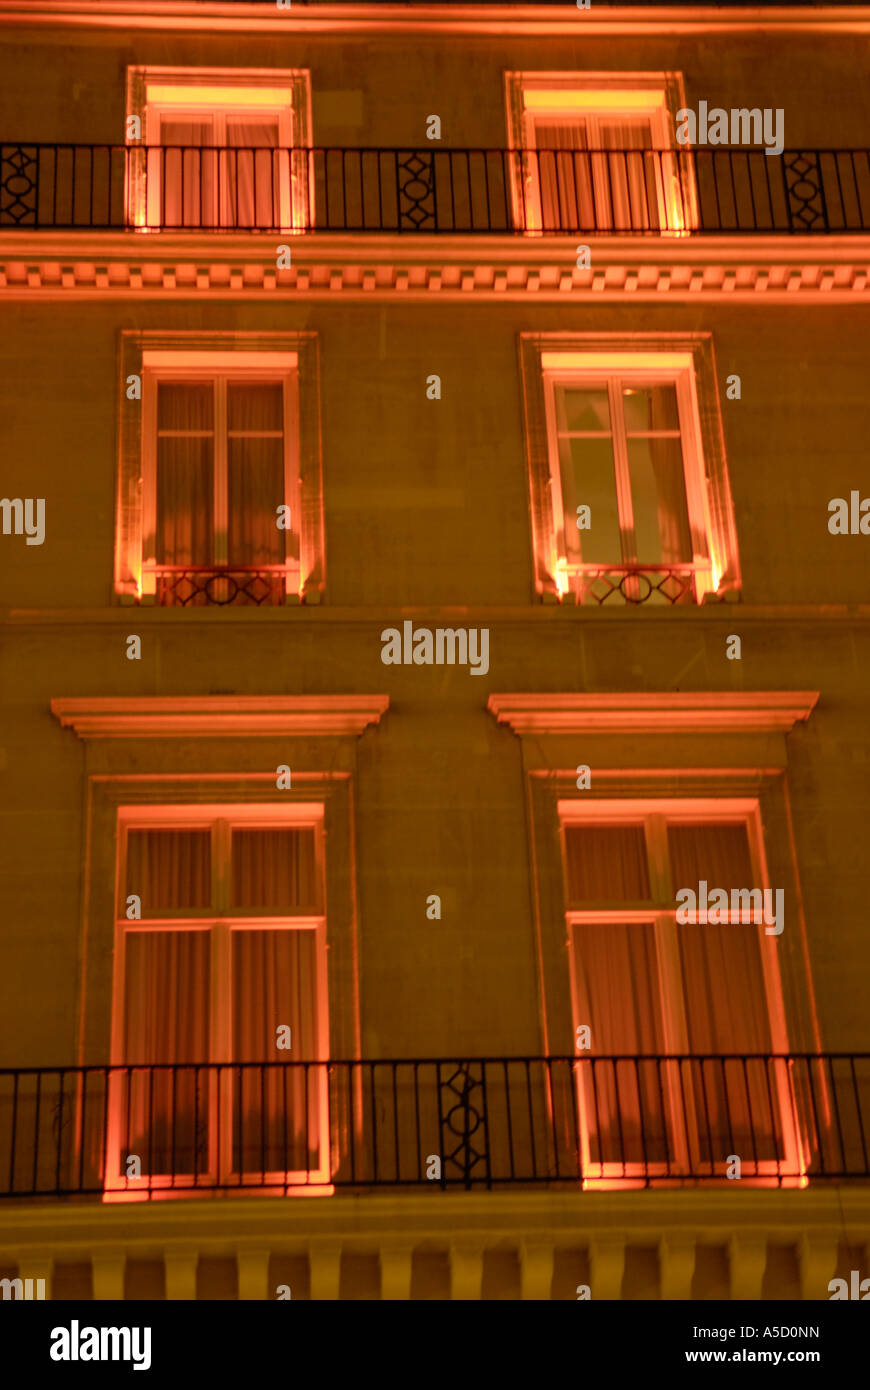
[[420, 579]]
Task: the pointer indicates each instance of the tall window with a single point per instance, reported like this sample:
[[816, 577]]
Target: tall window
[[601, 153], [219, 471], [647, 986], [630, 495], [221, 149], [225, 960]]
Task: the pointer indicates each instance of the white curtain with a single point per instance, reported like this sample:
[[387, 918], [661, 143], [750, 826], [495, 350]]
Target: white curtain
[[189, 172], [722, 1108], [255, 463], [250, 186], [185, 477], [658, 483], [725, 1000], [269, 980], [594, 176]]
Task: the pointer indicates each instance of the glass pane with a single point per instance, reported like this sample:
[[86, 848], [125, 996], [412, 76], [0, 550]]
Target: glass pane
[[563, 134], [718, 854], [736, 1101], [625, 133], [606, 863], [274, 870], [254, 406], [164, 1114], [256, 483], [189, 173], [246, 131], [650, 408], [184, 501], [616, 987], [185, 405], [658, 495], [588, 479], [587, 409], [169, 869], [275, 1108]]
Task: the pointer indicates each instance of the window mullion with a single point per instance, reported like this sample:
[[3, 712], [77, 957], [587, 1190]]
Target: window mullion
[[622, 473]]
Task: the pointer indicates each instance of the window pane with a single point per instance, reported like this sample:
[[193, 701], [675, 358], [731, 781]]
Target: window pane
[[583, 409], [164, 1114], [650, 408], [588, 479], [253, 406], [625, 133], [606, 863], [169, 869], [256, 483], [275, 1109], [719, 854], [617, 994], [189, 182], [185, 520], [737, 1109], [185, 405], [564, 175], [658, 495], [274, 870]]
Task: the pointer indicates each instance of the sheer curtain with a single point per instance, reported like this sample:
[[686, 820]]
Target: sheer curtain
[[250, 187], [167, 1004], [725, 1000], [618, 995], [629, 175], [255, 462], [189, 172], [564, 179], [275, 1112], [185, 477], [658, 482]]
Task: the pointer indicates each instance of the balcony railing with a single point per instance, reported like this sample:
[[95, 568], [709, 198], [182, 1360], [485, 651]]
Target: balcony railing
[[533, 192], [139, 1132]]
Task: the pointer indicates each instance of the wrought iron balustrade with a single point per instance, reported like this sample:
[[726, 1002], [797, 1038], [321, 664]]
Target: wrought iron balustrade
[[674, 192], [128, 1132], [194, 586]]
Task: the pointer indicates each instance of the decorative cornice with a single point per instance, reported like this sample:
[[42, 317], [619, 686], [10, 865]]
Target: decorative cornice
[[723, 712], [219, 716], [53, 265], [387, 17]]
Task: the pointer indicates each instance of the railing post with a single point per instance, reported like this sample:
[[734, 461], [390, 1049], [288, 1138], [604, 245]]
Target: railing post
[[180, 1266], [324, 1261], [107, 1271], [253, 1273]]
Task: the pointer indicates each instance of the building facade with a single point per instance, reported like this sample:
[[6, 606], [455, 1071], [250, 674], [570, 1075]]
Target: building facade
[[435, 650]]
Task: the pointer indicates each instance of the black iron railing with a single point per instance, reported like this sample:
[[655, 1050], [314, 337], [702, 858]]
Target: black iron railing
[[194, 586], [533, 192], [117, 1132]]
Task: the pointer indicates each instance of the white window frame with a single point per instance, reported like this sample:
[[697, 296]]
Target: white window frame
[[612, 376], [655, 814], [220, 368], [561, 96], [283, 95], [220, 922], [586, 357]]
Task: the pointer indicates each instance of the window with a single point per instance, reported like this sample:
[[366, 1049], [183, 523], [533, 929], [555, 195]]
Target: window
[[222, 148], [629, 488], [600, 152], [212, 466], [229, 949], [647, 986]]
